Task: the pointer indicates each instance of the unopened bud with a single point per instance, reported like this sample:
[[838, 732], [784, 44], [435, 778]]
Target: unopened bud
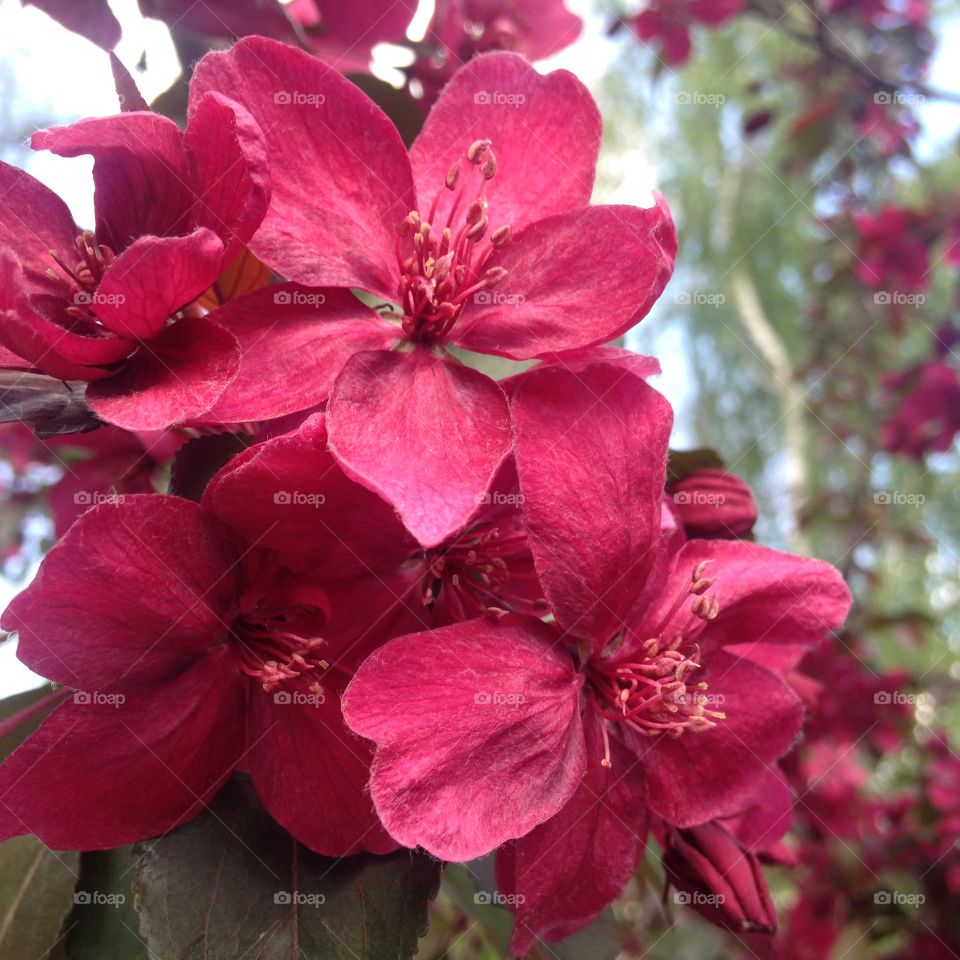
[[724, 880], [713, 504]]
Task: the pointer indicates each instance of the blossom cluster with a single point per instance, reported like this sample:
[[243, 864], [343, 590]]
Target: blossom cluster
[[422, 607]]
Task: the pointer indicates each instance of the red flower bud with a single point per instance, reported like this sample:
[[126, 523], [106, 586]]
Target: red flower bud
[[714, 504], [721, 880]]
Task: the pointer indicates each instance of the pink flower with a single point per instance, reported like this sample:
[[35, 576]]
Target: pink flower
[[642, 695], [893, 251], [194, 653], [486, 566], [669, 22], [173, 209], [482, 235], [461, 29], [928, 416]]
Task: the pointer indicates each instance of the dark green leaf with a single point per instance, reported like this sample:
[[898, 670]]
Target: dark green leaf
[[197, 461], [30, 706], [232, 883], [104, 924], [681, 463], [36, 893]]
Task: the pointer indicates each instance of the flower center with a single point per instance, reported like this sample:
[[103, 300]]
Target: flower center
[[653, 690], [488, 568], [83, 278], [275, 632], [441, 267]]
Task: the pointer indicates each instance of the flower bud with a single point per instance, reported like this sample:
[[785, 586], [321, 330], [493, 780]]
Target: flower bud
[[714, 504], [720, 879]]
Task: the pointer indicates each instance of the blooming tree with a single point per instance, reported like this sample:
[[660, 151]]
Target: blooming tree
[[380, 616]]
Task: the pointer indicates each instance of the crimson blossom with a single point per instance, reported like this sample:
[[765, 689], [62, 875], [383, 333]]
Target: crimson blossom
[[116, 307], [192, 653], [651, 692], [668, 22], [461, 29], [481, 235]]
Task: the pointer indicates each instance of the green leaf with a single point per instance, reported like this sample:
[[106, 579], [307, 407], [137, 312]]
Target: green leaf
[[23, 703], [104, 924], [231, 883], [36, 893], [682, 463], [198, 461]]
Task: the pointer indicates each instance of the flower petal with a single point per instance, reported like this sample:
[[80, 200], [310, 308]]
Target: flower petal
[[311, 773], [764, 595], [294, 341], [153, 278], [591, 454], [139, 170], [478, 733], [568, 869], [289, 495], [92, 19], [49, 346], [35, 221], [545, 132], [555, 297], [98, 775], [177, 376], [701, 776], [341, 178], [426, 434], [231, 171], [136, 589]]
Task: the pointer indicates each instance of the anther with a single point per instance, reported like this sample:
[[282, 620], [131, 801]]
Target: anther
[[453, 175], [477, 151]]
